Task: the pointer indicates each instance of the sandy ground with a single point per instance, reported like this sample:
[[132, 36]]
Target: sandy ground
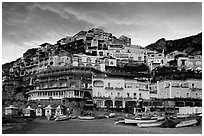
[[97, 126]]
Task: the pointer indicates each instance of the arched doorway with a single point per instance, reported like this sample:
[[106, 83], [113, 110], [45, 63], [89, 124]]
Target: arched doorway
[[109, 103], [130, 105], [87, 95], [118, 104]]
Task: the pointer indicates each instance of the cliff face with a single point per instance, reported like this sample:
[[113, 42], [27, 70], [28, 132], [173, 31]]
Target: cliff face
[[191, 45]]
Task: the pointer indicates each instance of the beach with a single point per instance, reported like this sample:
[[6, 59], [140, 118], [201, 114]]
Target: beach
[[97, 126]]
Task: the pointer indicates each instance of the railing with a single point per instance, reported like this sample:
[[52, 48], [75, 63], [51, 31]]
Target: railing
[[153, 92], [109, 88], [119, 97], [98, 97], [143, 89], [195, 89], [128, 97], [98, 85], [117, 88]]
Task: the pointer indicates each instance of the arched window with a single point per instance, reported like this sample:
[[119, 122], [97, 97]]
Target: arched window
[[79, 59], [97, 67], [196, 95], [88, 59]]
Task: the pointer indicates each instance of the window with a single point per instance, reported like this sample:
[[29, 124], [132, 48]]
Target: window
[[183, 62], [139, 58], [140, 95], [187, 95], [192, 85], [108, 84], [177, 94], [118, 94], [111, 93], [134, 95], [196, 95], [88, 59], [101, 53], [128, 94]]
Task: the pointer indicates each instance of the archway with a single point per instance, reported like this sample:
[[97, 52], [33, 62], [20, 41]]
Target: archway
[[130, 105], [87, 95], [109, 103], [118, 104]]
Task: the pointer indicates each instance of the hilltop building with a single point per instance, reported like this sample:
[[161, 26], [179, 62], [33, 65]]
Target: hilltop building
[[107, 71]]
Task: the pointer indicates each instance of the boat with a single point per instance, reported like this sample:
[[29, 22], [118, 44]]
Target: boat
[[159, 118], [150, 124], [133, 121], [100, 117], [73, 117], [186, 123], [62, 118], [122, 121], [182, 115], [86, 117], [111, 115]]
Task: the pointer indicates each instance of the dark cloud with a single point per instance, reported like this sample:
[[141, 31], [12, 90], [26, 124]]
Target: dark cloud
[[27, 25]]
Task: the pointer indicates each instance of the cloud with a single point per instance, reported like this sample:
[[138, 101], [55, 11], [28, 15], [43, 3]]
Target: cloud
[[27, 25]]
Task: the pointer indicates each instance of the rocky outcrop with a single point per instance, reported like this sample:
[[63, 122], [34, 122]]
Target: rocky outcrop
[[191, 45]]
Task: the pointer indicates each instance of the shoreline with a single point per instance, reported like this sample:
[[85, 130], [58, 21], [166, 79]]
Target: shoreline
[[97, 126]]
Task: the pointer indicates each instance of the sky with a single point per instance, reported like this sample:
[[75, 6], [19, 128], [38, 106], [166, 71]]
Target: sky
[[27, 25]]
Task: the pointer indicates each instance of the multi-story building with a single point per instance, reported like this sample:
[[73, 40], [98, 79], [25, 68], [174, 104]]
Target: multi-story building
[[171, 56], [155, 60], [66, 40], [109, 92], [191, 88], [98, 62], [190, 62], [80, 35], [98, 66], [62, 85]]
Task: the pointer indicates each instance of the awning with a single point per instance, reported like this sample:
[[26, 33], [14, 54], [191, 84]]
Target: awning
[[11, 107]]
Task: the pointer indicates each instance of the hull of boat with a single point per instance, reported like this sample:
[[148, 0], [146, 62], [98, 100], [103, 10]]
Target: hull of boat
[[153, 124], [62, 118], [86, 118], [134, 121], [182, 116], [120, 122], [160, 118], [187, 123]]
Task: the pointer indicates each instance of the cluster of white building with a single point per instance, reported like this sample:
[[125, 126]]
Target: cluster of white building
[[102, 50]]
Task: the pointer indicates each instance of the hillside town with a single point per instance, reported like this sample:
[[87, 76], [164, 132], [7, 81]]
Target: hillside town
[[95, 70]]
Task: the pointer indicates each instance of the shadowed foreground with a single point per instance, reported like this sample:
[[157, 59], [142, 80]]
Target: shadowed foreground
[[98, 126]]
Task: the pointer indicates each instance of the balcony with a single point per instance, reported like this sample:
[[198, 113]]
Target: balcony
[[117, 88], [195, 89], [128, 98], [98, 97], [143, 89], [119, 98], [87, 88], [62, 78], [153, 92], [98, 86], [109, 88], [106, 97]]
